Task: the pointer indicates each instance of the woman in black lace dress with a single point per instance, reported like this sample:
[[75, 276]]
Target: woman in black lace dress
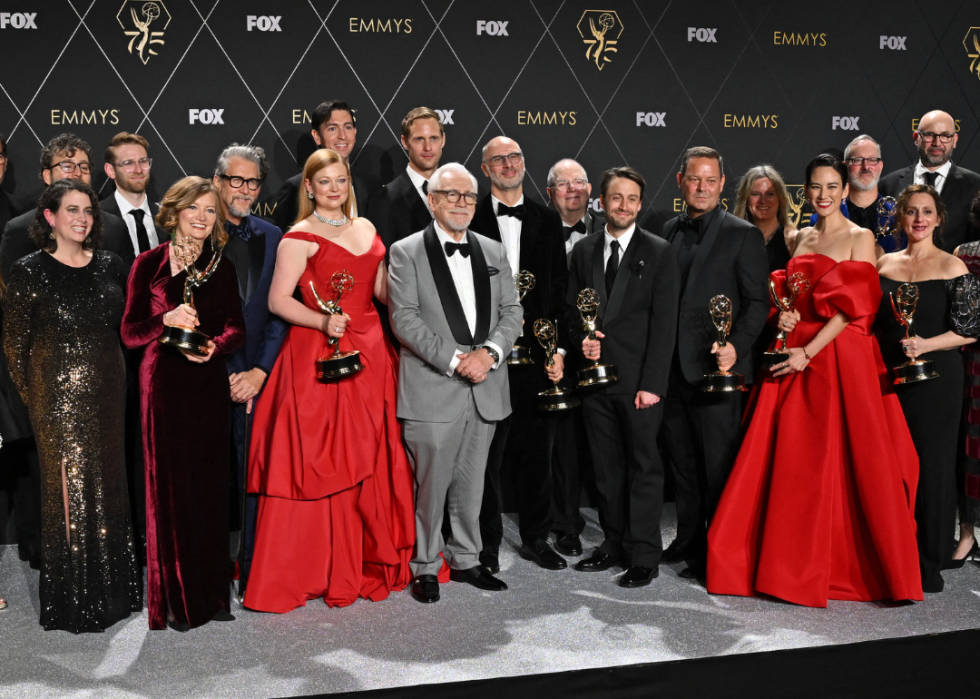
[[62, 313], [946, 317]]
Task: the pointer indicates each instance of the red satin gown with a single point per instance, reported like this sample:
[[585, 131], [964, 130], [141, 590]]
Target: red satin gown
[[820, 503], [336, 514]]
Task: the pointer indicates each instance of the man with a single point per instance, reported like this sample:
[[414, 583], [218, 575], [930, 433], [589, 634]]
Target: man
[[334, 126], [64, 156], [128, 163], [454, 307], [717, 254], [401, 207], [635, 274], [252, 246], [533, 241], [569, 190], [935, 140], [9, 206]]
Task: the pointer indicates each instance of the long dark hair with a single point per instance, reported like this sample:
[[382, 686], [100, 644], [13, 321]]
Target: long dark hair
[[51, 201]]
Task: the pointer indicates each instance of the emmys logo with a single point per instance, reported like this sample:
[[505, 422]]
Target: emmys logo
[[605, 28], [915, 124], [392, 26], [797, 202], [446, 116], [18, 20], [491, 28], [844, 123], [705, 36], [651, 118], [751, 121], [796, 39], [143, 14], [525, 118], [62, 117], [971, 42]]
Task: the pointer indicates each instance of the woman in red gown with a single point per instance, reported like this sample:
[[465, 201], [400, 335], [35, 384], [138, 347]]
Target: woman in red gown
[[820, 504], [336, 515]]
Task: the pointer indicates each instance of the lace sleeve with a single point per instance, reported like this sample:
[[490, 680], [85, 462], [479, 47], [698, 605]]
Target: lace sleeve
[[964, 305]]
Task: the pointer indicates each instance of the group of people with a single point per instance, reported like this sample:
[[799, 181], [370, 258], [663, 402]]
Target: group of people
[[386, 475]]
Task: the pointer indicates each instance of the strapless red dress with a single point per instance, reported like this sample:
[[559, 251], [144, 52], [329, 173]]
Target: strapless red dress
[[821, 500], [336, 516]]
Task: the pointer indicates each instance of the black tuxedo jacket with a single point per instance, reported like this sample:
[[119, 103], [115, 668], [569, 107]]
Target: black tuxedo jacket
[[639, 317], [731, 261], [958, 191], [543, 255], [111, 206], [287, 203], [16, 242], [10, 207], [397, 211]]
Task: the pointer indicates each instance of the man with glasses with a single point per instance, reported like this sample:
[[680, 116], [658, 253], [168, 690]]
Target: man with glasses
[[935, 140], [127, 163], [533, 240], [569, 190]]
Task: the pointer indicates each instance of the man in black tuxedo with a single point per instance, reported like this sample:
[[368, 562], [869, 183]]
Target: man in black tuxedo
[[533, 241], [935, 140], [569, 190], [64, 156], [717, 254], [635, 274], [9, 206], [400, 208], [128, 163], [334, 126]]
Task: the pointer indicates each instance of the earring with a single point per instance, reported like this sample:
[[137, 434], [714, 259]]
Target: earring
[[52, 235], [309, 195]]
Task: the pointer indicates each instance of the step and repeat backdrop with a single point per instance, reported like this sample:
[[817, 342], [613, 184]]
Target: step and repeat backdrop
[[608, 83]]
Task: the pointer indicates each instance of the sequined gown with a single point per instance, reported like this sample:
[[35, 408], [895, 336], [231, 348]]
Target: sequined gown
[[63, 349], [968, 456]]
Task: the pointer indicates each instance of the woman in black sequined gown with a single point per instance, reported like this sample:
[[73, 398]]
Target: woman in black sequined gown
[[946, 317], [62, 311]]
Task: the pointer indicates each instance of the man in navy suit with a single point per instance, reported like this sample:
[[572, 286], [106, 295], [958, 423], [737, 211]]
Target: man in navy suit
[[252, 246]]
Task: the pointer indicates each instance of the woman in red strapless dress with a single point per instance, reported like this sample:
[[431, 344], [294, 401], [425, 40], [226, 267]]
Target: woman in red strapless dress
[[820, 504], [336, 515]]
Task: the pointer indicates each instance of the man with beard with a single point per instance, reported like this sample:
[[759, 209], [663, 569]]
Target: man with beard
[[935, 140], [127, 163], [252, 246], [533, 241]]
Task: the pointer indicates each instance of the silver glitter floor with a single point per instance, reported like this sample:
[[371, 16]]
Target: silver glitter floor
[[546, 622]]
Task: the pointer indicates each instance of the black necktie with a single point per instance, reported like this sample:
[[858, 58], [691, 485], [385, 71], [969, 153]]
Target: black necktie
[[240, 231], [142, 238], [577, 228], [612, 266], [515, 211], [425, 187], [930, 178], [463, 248]]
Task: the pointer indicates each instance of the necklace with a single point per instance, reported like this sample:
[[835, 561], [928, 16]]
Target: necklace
[[333, 222]]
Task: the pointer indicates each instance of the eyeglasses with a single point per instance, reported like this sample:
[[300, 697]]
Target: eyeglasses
[[144, 164], [68, 167], [930, 136], [452, 196], [237, 182], [862, 161], [499, 160], [577, 183]]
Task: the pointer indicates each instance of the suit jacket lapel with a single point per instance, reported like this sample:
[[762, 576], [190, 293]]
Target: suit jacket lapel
[[488, 221], [672, 233], [599, 273], [481, 288], [443, 278], [256, 261], [704, 249], [420, 210], [529, 235], [622, 276]]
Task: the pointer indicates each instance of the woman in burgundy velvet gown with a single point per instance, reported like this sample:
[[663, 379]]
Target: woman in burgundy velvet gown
[[185, 406], [336, 517], [820, 501]]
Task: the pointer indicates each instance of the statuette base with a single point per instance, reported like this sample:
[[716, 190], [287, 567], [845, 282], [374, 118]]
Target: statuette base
[[339, 365]]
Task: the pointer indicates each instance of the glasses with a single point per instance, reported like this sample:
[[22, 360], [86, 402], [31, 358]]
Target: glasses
[[452, 196], [930, 136], [144, 164], [68, 167], [237, 182], [565, 185], [499, 160], [862, 161]]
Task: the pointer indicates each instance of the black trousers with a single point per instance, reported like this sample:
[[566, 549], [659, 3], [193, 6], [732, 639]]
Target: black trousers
[[629, 475], [21, 478], [570, 466], [702, 435], [244, 507]]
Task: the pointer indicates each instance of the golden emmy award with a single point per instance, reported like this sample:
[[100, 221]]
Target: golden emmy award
[[186, 250], [721, 316], [556, 397], [797, 284], [904, 308], [597, 374], [336, 365], [883, 216], [520, 354]]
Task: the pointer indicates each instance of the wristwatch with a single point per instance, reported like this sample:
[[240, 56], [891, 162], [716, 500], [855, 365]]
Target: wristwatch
[[492, 352]]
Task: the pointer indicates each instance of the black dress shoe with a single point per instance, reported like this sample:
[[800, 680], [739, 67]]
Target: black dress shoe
[[568, 543], [489, 560], [223, 615], [695, 572], [956, 563], [425, 588], [477, 576], [183, 627], [542, 554], [677, 551], [600, 560], [638, 576]]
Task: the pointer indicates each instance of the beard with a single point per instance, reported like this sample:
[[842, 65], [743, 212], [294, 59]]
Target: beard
[[856, 183], [457, 226], [128, 185], [507, 185], [930, 160], [235, 210]]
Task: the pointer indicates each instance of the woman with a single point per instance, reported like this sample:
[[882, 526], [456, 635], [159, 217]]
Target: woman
[[336, 518], [184, 398], [947, 316], [820, 502], [62, 314], [763, 201]]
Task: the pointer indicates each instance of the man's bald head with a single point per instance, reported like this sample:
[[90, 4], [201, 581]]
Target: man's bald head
[[936, 138]]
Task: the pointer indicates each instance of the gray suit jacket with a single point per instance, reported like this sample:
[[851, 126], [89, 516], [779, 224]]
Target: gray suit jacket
[[427, 317]]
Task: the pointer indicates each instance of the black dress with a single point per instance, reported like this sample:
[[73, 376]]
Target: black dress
[[933, 408], [62, 344]]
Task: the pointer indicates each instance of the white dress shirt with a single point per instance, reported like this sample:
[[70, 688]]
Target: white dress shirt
[[418, 181], [124, 208], [510, 234], [623, 240], [574, 237], [943, 173]]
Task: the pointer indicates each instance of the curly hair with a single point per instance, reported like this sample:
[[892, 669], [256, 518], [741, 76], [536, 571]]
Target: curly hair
[[902, 205], [40, 230], [181, 195]]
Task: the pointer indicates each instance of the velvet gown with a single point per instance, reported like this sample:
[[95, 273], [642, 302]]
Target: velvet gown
[[186, 432], [820, 504], [336, 514]]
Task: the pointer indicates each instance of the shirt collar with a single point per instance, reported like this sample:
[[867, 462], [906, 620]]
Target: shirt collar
[[125, 207], [943, 172], [496, 202], [623, 240], [701, 223], [445, 237]]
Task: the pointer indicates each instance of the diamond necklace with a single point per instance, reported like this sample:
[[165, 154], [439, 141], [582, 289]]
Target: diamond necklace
[[332, 222]]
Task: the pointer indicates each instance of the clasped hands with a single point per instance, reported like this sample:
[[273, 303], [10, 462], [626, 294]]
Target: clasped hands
[[474, 365], [245, 385], [186, 317], [592, 350]]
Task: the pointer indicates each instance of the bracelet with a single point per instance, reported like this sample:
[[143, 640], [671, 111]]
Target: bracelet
[[806, 354]]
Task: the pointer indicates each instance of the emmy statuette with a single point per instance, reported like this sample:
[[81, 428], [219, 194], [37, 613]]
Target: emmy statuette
[[904, 308], [556, 397], [181, 336], [796, 285], [597, 374], [520, 354], [722, 381], [336, 365]]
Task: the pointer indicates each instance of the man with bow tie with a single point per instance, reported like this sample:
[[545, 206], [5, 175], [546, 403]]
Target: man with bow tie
[[718, 254], [533, 240], [251, 247], [455, 310]]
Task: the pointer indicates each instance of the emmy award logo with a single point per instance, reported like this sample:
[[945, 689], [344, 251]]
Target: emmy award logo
[[796, 285], [600, 24], [720, 308], [796, 205], [186, 250], [336, 365], [597, 374], [884, 213], [143, 14], [520, 354], [903, 306], [971, 42], [554, 398]]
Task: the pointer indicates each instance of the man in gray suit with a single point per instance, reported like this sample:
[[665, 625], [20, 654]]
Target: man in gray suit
[[455, 310]]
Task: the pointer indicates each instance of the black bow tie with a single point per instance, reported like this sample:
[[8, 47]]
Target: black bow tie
[[463, 248], [577, 228], [694, 224], [240, 231], [515, 211]]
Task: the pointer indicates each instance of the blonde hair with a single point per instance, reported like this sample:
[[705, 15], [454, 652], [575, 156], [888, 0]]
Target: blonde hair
[[321, 159], [180, 196], [745, 188]]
